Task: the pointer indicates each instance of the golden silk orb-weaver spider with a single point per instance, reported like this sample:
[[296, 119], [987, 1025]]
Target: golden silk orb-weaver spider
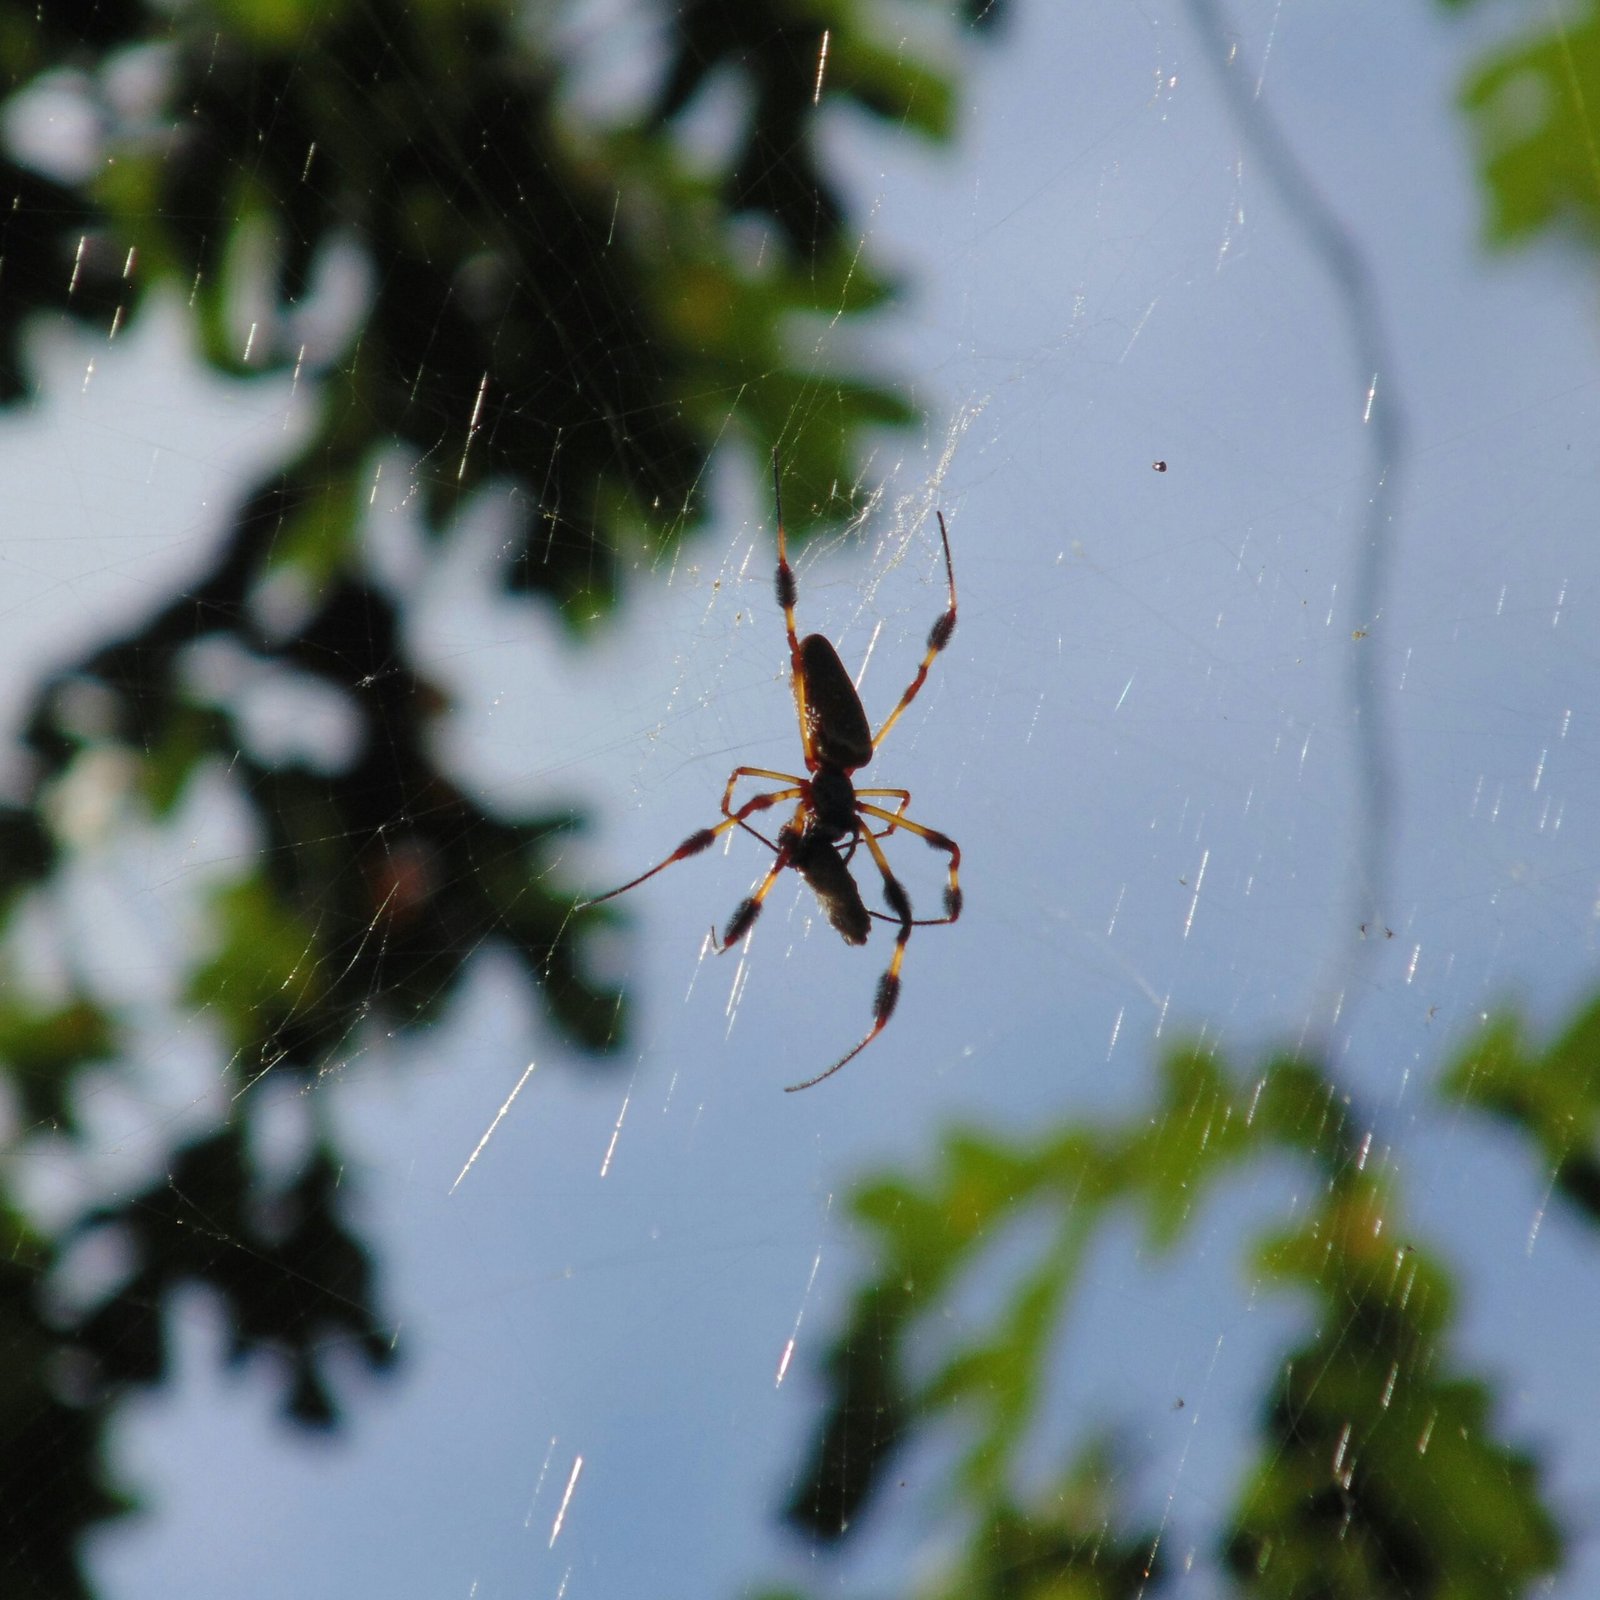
[[831, 815]]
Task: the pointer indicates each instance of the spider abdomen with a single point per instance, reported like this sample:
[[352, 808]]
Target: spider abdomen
[[818, 861], [840, 734]]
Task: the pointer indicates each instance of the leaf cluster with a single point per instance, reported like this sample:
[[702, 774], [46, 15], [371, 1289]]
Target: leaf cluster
[[1531, 109], [559, 307], [1378, 1468]]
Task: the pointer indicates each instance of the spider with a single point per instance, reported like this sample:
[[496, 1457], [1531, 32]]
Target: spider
[[829, 811]]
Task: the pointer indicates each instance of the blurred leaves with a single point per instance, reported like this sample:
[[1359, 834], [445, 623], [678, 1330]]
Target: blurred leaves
[[1550, 1095], [1531, 108], [54, 1485], [290, 1278], [571, 311], [45, 1048], [1378, 1469], [477, 275], [35, 224], [291, 1281], [794, 55], [1380, 1473], [1066, 1543]]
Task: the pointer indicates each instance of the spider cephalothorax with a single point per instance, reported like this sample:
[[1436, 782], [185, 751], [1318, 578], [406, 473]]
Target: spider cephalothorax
[[831, 816]]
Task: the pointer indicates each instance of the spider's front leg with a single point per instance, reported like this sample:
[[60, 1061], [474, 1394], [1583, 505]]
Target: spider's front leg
[[788, 593], [700, 840], [790, 778]]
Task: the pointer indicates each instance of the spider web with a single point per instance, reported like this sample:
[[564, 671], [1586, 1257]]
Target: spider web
[[1150, 434]]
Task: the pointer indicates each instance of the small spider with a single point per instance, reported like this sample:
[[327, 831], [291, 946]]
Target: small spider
[[829, 810]]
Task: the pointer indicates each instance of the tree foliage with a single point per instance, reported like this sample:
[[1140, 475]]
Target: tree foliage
[[1530, 108], [563, 309], [1381, 1466], [568, 311], [1380, 1469]]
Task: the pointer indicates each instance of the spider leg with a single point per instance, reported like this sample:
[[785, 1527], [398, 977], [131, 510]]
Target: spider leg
[[758, 834], [754, 772], [937, 841], [904, 797], [883, 1003], [696, 842], [938, 638], [743, 919], [788, 593]]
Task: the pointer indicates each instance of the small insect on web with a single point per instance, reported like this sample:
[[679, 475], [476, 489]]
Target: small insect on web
[[831, 817]]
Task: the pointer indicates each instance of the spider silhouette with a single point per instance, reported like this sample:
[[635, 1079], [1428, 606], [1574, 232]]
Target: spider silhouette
[[831, 815]]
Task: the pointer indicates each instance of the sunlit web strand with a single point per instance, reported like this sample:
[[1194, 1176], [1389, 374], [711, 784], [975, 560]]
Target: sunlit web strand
[[488, 1133]]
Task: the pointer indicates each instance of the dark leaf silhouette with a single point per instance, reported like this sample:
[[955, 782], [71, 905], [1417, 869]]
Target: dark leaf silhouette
[[556, 310]]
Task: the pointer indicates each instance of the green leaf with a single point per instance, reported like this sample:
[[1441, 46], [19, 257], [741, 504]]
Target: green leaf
[[1379, 1475], [1551, 1097], [189, 737], [55, 1481], [1066, 1541], [1373, 1448], [1532, 114], [269, 968], [43, 1048]]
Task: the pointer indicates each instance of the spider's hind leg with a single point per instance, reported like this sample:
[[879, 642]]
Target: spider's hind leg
[[902, 795], [744, 917], [888, 992], [935, 841]]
